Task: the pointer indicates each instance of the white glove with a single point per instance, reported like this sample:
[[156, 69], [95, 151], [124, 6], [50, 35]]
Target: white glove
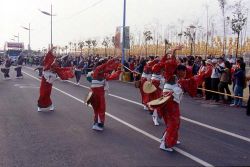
[[178, 93], [49, 76]]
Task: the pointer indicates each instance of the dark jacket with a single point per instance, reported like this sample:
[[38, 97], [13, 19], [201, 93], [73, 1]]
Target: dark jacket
[[239, 77]]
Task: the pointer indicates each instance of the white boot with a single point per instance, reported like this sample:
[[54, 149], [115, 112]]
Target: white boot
[[145, 108], [52, 108], [164, 136], [7, 78], [96, 127], [163, 147], [39, 109], [155, 118]]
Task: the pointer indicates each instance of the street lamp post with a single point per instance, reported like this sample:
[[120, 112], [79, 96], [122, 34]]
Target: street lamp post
[[17, 36], [29, 34], [123, 32], [29, 37], [49, 14]]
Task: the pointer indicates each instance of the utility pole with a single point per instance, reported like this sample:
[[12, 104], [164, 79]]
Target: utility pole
[[123, 31], [207, 34]]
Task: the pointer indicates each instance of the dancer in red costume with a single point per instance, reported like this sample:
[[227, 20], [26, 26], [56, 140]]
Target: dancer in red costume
[[99, 84], [146, 76], [50, 71], [174, 86], [156, 80]]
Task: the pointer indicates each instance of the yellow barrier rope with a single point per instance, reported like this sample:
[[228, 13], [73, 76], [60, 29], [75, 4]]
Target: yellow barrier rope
[[199, 88], [223, 94]]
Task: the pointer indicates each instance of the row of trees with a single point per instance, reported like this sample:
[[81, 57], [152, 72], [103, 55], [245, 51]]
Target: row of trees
[[238, 20], [193, 37], [89, 44], [149, 48]]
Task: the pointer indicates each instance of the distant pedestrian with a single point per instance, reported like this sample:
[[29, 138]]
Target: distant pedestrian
[[6, 69], [240, 84], [78, 70], [18, 69]]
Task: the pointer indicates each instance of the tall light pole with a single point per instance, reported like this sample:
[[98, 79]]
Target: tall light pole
[[51, 15], [123, 32], [29, 35], [17, 36], [207, 33]]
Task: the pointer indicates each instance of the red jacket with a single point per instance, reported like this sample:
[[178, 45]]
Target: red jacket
[[103, 71], [48, 60], [148, 67], [189, 73], [170, 67], [208, 72]]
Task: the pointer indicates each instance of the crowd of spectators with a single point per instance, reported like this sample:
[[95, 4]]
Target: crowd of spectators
[[224, 74]]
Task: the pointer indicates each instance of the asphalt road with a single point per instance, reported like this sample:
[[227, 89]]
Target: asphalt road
[[210, 134]]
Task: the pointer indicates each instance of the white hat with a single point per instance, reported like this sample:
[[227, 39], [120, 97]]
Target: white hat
[[209, 61], [102, 59], [214, 61]]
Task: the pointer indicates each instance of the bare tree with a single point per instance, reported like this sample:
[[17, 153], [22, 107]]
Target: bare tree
[[66, 48], [70, 44], [238, 21], [81, 45], [180, 34], [114, 44], [62, 49], [88, 42], [75, 48], [223, 4], [132, 42], [148, 37], [94, 44], [106, 43], [190, 37], [167, 44]]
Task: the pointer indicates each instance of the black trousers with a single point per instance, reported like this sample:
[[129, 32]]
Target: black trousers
[[214, 84], [224, 86], [18, 72], [131, 77], [40, 71], [208, 87], [5, 71], [78, 75]]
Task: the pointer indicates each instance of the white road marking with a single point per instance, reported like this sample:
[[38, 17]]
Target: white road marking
[[183, 118], [26, 86], [217, 129], [194, 158]]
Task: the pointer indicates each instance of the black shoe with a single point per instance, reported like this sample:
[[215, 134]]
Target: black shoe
[[101, 125]]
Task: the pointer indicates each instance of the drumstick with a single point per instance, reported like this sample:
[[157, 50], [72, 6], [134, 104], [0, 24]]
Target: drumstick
[[130, 70]]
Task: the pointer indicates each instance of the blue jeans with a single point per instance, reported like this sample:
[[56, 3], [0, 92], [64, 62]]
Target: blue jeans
[[238, 91]]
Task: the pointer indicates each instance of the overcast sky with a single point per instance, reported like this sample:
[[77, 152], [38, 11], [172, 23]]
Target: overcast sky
[[77, 20]]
